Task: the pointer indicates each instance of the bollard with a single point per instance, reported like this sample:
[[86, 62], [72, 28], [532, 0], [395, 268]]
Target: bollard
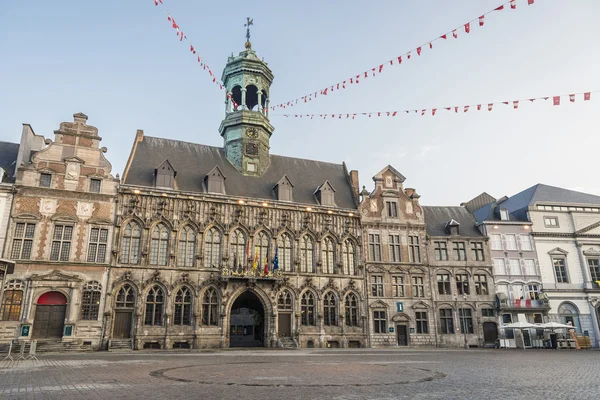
[[32, 349], [9, 355], [21, 352]]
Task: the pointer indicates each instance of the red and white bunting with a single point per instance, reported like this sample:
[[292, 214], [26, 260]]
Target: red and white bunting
[[193, 50], [556, 100], [468, 26]]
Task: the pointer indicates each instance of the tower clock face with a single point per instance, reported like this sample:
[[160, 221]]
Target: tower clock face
[[252, 133]]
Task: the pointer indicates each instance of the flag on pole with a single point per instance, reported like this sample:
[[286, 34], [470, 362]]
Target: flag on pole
[[255, 264], [587, 96], [266, 271], [247, 257], [276, 259]]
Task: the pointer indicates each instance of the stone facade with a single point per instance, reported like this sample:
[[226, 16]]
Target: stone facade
[[215, 267], [398, 282], [59, 236], [458, 259]]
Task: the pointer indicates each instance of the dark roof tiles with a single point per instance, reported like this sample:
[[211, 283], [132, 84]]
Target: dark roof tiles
[[436, 219]]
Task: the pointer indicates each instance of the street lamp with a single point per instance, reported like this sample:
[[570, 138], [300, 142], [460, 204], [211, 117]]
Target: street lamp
[[462, 319]]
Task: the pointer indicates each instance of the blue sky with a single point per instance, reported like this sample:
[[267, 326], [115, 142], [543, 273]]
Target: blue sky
[[121, 64]]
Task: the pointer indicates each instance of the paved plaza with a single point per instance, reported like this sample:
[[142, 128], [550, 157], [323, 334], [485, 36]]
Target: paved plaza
[[307, 374]]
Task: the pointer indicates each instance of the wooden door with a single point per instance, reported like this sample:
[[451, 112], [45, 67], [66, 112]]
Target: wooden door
[[49, 321], [402, 334], [122, 326], [285, 325], [490, 333]]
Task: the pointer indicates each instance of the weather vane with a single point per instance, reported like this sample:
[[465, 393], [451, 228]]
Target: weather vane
[[249, 21]]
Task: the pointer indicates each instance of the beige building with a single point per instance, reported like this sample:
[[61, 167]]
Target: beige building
[[59, 232], [398, 282], [234, 246]]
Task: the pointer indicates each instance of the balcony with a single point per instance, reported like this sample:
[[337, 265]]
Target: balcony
[[527, 304], [227, 274]]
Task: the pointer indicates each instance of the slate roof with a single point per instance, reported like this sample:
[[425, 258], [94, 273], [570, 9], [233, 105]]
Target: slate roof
[[518, 204], [436, 219], [194, 161], [479, 201], [8, 159]]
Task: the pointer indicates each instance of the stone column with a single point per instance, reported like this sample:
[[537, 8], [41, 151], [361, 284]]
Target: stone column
[[259, 105], [267, 108], [243, 105]]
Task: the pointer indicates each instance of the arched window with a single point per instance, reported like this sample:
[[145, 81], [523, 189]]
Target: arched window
[[307, 305], [212, 248], [183, 307], [187, 247], [262, 244], [210, 303], [90, 301], [330, 309], [351, 310], [349, 258], [159, 245], [130, 244], [238, 247], [125, 297], [328, 255], [284, 248], [569, 314], [11, 301], [307, 246], [155, 302], [284, 301]]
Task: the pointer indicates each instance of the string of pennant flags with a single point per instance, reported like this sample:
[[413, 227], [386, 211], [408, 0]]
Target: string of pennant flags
[[182, 36], [556, 101], [396, 61]]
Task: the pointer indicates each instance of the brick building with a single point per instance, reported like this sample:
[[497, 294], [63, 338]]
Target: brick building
[[58, 236], [398, 282]]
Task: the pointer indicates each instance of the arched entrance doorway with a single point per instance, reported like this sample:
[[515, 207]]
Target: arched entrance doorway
[[124, 307], [49, 318], [247, 321], [490, 334]]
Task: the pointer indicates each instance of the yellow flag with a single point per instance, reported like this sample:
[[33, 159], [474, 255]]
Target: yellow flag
[[255, 265]]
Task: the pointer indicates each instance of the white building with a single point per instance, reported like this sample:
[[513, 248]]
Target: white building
[[566, 232]]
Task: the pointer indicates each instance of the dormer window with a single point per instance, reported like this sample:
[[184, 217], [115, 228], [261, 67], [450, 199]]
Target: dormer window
[[452, 228], [283, 189], [45, 180], [215, 181], [503, 214], [326, 194], [164, 175]]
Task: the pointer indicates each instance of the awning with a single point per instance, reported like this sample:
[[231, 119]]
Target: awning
[[501, 296]]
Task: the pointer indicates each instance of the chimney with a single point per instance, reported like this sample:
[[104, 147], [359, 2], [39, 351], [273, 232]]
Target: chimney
[[409, 191], [80, 117], [354, 182]]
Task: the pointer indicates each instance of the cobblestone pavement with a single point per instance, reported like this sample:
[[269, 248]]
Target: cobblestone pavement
[[307, 374]]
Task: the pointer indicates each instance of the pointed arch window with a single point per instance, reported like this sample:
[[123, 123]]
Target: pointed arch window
[[351, 310], [330, 309], [125, 297], [210, 303], [349, 258], [90, 301], [284, 249], [307, 304], [212, 248], [12, 300], [183, 307], [155, 301], [238, 247], [262, 244], [159, 245], [307, 246], [130, 244], [328, 255], [284, 301], [187, 247]]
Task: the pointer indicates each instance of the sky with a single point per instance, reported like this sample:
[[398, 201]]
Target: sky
[[120, 63]]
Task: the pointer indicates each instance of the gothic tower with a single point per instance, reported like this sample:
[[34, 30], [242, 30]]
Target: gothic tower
[[246, 130]]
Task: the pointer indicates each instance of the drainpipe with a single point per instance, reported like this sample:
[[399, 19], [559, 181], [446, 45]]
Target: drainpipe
[[102, 332]]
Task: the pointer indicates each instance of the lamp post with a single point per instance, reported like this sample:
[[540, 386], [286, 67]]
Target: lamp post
[[462, 319]]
